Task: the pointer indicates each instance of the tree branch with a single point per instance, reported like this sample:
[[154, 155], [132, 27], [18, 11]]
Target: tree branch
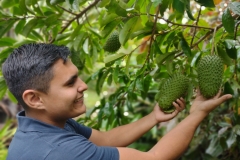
[[178, 24], [195, 29], [153, 33], [67, 10], [77, 17]]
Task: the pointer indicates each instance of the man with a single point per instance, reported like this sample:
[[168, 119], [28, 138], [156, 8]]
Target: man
[[46, 83]]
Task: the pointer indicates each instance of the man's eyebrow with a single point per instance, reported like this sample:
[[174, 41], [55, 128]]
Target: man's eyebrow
[[70, 80]]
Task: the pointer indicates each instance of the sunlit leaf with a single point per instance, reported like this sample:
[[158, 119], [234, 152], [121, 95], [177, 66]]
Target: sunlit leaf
[[127, 30], [5, 26], [113, 57], [7, 3], [29, 27], [6, 41]]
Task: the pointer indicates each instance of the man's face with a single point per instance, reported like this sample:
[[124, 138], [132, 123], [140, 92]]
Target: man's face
[[65, 98]]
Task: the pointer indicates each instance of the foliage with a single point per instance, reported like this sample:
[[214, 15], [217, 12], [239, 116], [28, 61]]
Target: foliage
[[158, 38], [6, 134]]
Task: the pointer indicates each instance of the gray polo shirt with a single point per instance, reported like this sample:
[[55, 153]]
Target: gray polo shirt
[[35, 140]]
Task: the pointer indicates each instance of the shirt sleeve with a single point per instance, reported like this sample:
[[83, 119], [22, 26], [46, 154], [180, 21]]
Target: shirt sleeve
[[78, 128]]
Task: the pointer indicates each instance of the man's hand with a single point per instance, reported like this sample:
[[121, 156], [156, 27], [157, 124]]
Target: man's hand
[[203, 105], [162, 117]]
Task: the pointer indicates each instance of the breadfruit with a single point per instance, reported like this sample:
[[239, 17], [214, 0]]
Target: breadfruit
[[112, 43], [172, 89], [210, 73]]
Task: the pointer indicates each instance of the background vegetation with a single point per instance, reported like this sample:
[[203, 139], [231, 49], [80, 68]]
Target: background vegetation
[[158, 38]]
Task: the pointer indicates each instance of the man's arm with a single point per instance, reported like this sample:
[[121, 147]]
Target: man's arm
[[124, 135], [174, 143]]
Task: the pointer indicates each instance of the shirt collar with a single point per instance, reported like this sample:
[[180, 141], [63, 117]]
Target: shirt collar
[[27, 124]]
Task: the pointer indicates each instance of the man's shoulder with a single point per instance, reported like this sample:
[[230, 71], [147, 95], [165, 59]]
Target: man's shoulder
[[27, 145]]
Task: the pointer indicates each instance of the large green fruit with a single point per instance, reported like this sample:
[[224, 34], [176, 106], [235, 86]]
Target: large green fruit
[[210, 73], [112, 43], [172, 89]]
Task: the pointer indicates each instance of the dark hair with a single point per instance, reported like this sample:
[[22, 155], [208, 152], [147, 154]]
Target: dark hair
[[30, 67]]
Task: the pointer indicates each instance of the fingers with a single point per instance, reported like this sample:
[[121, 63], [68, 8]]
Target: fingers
[[179, 104], [223, 98]]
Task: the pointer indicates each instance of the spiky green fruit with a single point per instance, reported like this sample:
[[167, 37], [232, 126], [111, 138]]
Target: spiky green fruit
[[172, 89], [112, 43], [210, 73]]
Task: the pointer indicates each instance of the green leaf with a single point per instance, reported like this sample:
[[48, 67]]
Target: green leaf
[[109, 80], [76, 31], [103, 3], [5, 26], [29, 27], [164, 6], [109, 28], [214, 149], [228, 21], [188, 10], [156, 2], [221, 51], [195, 58], [52, 19], [141, 57], [185, 47], [146, 83], [127, 30], [17, 11], [228, 89], [235, 7], [116, 71], [24, 7], [3, 87], [230, 48], [11, 97], [101, 78], [107, 19], [7, 42], [178, 6], [20, 26], [7, 3], [78, 40], [77, 59], [37, 35], [54, 2], [236, 130], [206, 3], [117, 7], [114, 57], [161, 58]]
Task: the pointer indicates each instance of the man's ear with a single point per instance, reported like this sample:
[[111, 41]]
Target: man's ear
[[33, 99]]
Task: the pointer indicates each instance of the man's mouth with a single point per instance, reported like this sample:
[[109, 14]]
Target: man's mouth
[[79, 99]]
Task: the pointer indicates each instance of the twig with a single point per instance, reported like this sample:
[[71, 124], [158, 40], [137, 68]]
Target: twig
[[236, 28], [153, 33], [195, 29], [66, 10], [178, 24], [77, 17], [213, 41]]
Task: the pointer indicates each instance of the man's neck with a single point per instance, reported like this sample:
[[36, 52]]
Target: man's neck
[[44, 118]]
